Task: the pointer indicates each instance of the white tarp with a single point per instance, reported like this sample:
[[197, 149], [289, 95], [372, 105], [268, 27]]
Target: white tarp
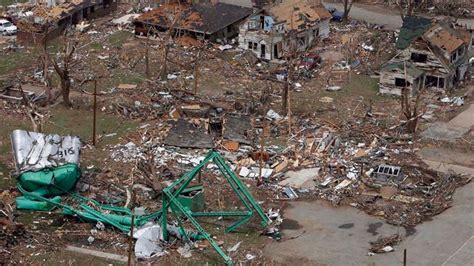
[[35, 151]]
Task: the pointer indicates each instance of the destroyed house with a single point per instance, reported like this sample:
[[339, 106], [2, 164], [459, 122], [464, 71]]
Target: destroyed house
[[49, 21], [214, 22], [289, 25], [440, 50], [395, 76]]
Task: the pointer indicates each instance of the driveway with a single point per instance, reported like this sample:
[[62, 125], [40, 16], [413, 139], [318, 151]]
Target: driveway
[[388, 17], [453, 129]]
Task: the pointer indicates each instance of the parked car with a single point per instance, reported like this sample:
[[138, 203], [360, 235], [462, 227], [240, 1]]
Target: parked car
[[310, 61], [7, 28], [337, 16]]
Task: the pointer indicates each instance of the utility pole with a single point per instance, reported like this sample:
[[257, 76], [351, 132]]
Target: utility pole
[[147, 63], [289, 112], [260, 179], [95, 113], [196, 71], [130, 239], [405, 257]]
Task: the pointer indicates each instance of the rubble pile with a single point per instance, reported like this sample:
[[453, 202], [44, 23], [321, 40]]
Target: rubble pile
[[378, 173]]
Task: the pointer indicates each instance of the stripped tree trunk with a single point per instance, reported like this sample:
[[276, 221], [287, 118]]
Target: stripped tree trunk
[[63, 68], [347, 9]]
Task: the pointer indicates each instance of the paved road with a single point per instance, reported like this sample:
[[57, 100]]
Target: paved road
[[340, 236], [384, 16]]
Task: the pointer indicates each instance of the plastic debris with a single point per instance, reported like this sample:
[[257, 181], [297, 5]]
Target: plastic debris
[[250, 257], [290, 193], [185, 251], [234, 247], [272, 115], [333, 88], [225, 47]]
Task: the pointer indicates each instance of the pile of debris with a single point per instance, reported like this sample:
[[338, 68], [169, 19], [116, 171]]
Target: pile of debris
[[378, 173]]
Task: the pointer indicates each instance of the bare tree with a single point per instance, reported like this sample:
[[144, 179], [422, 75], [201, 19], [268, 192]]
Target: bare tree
[[408, 8], [147, 58], [37, 117], [347, 9], [290, 64], [174, 18], [45, 63], [409, 108], [196, 66], [63, 66]]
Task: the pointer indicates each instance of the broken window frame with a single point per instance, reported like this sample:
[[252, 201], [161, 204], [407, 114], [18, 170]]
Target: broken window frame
[[454, 57], [418, 57], [316, 32], [434, 81], [400, 82], [388, 170]]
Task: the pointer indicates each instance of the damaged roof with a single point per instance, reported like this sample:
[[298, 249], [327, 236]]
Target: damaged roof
[[61, 10], [412, 70], [412, 28], [202, 17], [297, 13], [443, 38], [440, 35]]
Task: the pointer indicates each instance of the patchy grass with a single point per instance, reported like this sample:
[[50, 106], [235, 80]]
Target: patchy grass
[[6, 158], [118, 38], [360, 87], [134, 78], [96, 46], [27, 57], [66, 121], [8, 125], [15, 60], [70, 258], [6, 181]]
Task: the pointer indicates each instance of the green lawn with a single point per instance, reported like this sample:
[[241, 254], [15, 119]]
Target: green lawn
[[359, 87], [118, 38], [14, 60], [66, 121], [26, 57]]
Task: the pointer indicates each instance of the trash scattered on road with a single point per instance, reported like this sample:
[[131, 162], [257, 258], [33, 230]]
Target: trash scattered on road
[[385, 244]]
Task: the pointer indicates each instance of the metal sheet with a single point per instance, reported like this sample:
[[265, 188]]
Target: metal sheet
[[35, 151]]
